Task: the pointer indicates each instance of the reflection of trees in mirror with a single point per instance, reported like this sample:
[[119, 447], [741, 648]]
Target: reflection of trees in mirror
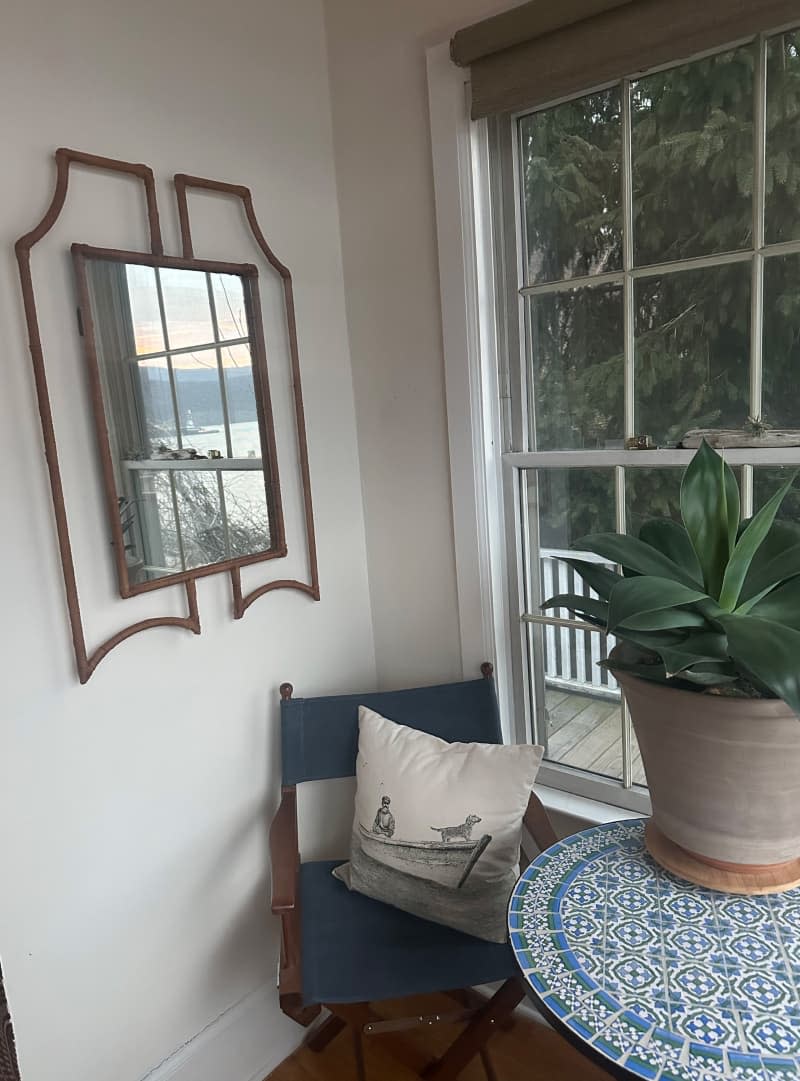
[[206, 535]]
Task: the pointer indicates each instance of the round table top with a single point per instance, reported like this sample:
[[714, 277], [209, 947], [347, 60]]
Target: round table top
[[659, 978]]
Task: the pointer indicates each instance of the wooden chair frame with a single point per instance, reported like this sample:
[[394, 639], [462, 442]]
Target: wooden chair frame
[[481, 1015]]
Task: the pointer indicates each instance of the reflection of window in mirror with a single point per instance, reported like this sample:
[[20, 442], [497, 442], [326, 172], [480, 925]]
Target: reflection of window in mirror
[[189, 459]]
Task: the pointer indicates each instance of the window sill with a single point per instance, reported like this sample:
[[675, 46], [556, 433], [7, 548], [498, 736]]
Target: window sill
[[580, 809]]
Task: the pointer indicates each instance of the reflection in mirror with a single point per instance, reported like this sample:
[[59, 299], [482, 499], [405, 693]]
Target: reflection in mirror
[[189, 458]]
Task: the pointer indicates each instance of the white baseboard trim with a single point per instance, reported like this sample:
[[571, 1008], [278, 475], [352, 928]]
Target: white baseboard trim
[[250, 1039], [245, 1043]]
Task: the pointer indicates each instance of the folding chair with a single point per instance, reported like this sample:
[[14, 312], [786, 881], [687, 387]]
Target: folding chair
[[344, 951]]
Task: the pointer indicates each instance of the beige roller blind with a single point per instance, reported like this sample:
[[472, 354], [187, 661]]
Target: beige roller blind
[[527, 57], [523, 24]]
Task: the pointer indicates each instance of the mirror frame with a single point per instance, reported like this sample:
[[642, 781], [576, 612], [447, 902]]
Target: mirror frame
[[82, 255]]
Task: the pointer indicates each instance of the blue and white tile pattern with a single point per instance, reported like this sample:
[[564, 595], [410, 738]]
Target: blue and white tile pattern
[[670, 981]]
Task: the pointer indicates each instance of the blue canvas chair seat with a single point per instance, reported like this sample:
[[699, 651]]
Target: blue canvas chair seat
[[356, 949], [345, 951]]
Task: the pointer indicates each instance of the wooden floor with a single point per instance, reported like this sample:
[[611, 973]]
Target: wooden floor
[[529, 1052], [586, 732]]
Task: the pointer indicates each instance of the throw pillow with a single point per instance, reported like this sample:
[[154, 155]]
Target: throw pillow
[[437, 825]]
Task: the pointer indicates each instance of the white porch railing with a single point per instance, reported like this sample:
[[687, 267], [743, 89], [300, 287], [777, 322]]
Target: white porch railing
[[572, 656]]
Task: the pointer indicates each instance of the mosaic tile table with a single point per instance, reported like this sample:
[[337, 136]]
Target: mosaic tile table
[[654, 977]]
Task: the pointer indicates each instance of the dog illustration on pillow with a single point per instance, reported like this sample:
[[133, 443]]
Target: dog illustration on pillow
[[462, 832]]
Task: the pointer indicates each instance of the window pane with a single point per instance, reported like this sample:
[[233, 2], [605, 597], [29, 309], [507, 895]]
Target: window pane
[[202, 526], [152, 547], [571, 504], [576, 361], [148, 331], [781, 394], [782, 219], [655, 493], [158, 421], [229, 304], [187, 308], [637, 769], [692, 141], [651, 493], [767, 480], [692, 351], [240, 390], [246, 510], [583, 718], [571, 184], [202, 418]]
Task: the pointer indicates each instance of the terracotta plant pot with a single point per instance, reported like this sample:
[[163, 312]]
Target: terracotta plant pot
[[724, 777]]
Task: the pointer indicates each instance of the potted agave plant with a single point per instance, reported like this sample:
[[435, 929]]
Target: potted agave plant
[[707, 620]]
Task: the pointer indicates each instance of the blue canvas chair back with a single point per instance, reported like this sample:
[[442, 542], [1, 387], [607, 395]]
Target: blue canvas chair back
[[320, 735]]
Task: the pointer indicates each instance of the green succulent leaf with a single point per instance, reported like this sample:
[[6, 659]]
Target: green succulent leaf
[[647, 593], [703, 674], [709, 608], [665, 619], [671, 539], [696, 648], [635, 555], [710, 674], [655, 673], [747, 546], [771, 651], [597, 577], [653, 641], [779, 568], [712, 603], [586, 607], [781, 605], [710, 509], [784, 534]]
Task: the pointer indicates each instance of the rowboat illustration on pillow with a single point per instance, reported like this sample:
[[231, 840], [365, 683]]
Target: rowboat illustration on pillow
[[447, 861]]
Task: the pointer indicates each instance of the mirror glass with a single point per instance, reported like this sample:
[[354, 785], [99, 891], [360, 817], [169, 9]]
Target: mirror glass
[[180, 386]]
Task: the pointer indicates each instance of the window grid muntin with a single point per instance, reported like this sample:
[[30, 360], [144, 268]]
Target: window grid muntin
[[223, 399], [525, 461]]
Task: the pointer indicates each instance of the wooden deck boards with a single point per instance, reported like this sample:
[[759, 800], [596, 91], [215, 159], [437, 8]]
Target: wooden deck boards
[[586, 732]]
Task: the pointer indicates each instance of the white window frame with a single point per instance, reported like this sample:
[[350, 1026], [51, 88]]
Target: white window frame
[[486, 497]]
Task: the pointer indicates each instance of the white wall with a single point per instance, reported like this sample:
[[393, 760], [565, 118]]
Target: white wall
[[383, 164], [134, 809]]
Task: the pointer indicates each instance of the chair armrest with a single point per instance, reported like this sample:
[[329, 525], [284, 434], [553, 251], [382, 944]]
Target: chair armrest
[[537, 822], [284, 853]]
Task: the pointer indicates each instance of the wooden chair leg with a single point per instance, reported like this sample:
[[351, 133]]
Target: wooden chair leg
[[488, 1067], [473, 999], [475, 1035], [359, 1014], [327, 1031], [358, 1049]]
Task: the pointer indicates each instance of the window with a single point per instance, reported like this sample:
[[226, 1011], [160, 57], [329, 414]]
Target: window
[[647, 240]]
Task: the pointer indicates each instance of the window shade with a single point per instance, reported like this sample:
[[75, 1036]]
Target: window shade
[[530, 56]]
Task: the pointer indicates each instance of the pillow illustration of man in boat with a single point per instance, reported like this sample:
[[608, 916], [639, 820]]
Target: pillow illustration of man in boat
[[448, 860], [384, 819]]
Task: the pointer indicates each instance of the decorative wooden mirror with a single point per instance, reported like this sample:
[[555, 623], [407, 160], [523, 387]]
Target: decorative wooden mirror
[[177, 373], [181, 403]]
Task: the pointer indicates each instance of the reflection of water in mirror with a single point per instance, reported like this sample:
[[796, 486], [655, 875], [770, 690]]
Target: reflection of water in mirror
[[173, 347], [244, 435]]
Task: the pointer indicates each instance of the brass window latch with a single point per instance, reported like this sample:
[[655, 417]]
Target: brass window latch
[[640, 442]]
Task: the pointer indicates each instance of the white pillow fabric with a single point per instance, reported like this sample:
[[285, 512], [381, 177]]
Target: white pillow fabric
[[437, 825]]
